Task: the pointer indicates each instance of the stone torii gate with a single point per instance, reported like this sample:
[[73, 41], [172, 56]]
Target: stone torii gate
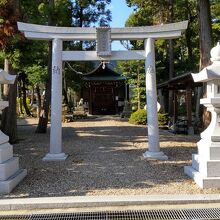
[[103, 36]]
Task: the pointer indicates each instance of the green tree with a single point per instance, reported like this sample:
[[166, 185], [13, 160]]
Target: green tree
[[173, 57], [37, 75], [56, 13], [52, 12], [87, 13], [9, 37], [135, 74], [215, 17]]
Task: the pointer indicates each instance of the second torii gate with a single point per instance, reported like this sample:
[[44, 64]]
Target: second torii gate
[[103, 37]]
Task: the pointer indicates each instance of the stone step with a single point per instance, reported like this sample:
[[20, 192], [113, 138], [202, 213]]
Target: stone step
[[8, 168], [209, 150], [8, 185], [209, 168], [201, 180], [6, 152]]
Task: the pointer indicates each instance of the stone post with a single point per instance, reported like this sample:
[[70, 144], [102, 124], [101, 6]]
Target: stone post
[[10, 174], [151, 92], [56, 105]]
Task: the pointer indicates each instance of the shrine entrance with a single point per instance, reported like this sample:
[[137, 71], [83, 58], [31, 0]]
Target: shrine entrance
[[103, 100], [104, 91], [103, 36]]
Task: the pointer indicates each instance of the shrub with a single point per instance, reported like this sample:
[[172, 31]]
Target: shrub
[[139, 117], [162, 119]]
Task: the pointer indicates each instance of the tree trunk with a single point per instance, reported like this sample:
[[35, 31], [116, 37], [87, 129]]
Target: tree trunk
[[205, 35], [32, 96], [24, 98], [9, 117], [19, 98], [66, 101], [65, 95], [188, 34], [6, 86], [20, 105], [43, 119], [38, 101], [189, 46], [44, 114]]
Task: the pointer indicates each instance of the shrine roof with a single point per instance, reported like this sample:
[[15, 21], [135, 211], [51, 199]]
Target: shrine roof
[[181, 82], [103, 74]]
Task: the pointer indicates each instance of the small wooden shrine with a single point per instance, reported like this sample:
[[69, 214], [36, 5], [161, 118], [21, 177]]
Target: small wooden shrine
[[105, 91], [181, 85]]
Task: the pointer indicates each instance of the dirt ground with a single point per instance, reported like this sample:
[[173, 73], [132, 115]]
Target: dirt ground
[[105, 158]]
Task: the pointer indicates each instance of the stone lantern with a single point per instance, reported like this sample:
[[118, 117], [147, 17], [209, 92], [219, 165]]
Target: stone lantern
[[10, 174], [205, 169]]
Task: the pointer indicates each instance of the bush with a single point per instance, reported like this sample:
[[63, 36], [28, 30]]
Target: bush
[[162, 119], [139, 117]]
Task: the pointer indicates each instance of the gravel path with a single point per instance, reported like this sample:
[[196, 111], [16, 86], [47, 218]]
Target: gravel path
[[105, 158]]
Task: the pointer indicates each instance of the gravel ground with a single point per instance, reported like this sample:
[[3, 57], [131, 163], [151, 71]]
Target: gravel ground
[[105, 158]]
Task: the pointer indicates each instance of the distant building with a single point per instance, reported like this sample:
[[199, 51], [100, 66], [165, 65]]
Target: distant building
[[104, 91]]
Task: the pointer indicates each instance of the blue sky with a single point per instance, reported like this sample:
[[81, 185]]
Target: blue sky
[[120, 13]]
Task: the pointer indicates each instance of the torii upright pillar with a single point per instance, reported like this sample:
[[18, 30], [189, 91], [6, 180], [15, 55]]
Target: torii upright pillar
[[56, 104], [151, 93]]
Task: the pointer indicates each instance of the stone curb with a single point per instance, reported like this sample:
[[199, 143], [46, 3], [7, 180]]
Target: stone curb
[[104, 201]]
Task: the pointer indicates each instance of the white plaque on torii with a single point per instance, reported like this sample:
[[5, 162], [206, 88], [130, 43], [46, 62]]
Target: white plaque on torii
[[103, 41]]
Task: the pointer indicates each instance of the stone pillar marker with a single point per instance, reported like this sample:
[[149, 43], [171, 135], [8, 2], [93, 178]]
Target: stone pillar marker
[[10, 174], [205, 168], [152, 118], [56, 104]]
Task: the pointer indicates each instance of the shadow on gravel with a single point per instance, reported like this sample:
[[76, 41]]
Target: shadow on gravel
[[102, 159]]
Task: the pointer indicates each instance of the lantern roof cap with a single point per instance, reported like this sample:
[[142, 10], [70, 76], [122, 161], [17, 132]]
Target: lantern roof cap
[[6, 78], [212, 71], [215, 53]]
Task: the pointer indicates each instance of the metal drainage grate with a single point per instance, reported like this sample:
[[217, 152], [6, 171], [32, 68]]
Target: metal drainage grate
[[178, 214], [15, 217]]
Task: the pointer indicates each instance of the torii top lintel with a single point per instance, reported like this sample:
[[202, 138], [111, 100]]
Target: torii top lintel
[[42, 32]]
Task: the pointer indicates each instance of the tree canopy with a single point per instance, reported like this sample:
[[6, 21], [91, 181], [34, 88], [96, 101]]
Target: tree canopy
[[182, 55]]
